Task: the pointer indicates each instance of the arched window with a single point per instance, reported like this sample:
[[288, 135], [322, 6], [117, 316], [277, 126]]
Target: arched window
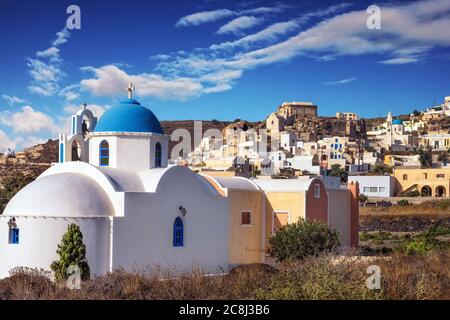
[[158, 155], [178, 232], [104, 153]]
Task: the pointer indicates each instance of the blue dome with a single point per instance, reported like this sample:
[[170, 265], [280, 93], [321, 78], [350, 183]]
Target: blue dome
[[397, 121], [128, 116]]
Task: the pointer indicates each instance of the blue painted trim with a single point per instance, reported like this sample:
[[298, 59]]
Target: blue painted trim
[[178, 232], [103, 159], [158, 153], [61, 153], [13, 236], [73, 124]]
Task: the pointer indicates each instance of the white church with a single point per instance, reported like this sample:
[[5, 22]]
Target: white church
[[135, 211], [132, 208]]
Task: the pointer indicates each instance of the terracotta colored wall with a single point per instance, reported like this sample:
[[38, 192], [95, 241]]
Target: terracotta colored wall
[[339, 213], [316, 208], [354, 214]]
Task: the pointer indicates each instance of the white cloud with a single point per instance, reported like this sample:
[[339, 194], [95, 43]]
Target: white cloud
[[70, 93], [268, 34], [198, 18], [12, 99], [45, 69], [239, 24], [6, 142], [111, 81], [51, 53], [61, 37], [339, 82], [265, 10], [28, 120]]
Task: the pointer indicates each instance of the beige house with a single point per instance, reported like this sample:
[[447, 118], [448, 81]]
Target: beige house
[[275, 124], [332, 151], [297, 109], [429, 182], [347, 116], [435, 140]]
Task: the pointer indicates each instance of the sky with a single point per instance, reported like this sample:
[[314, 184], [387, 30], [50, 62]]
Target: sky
[[212, 59]]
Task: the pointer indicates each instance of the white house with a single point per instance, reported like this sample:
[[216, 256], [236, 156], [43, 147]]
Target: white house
[[374, 186]]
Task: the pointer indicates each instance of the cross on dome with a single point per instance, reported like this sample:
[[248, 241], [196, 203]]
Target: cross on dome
[[130, 90]]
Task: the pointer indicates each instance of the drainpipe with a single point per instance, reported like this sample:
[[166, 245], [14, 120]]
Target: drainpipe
[[263, 226], [111, 243]]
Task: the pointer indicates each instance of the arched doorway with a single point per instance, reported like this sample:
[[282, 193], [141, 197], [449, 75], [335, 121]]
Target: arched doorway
[[440, 191], [76, 151], [426, 191]]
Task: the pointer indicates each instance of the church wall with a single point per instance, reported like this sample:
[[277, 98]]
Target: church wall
[[245, 240], [39, 237], [134, 153], [144, 237]]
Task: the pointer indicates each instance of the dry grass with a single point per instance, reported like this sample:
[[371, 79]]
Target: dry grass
[[417, 277], [431, 208]]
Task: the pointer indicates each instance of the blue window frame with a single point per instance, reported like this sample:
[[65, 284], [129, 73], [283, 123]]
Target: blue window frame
[[73, 125], [61, 153], [13, 236], [178, 232], [158, 155], [104, 153]]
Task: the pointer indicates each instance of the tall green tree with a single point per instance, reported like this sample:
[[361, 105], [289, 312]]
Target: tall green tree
[[337, 171], [443, 157], [72, 252], [425, 158]]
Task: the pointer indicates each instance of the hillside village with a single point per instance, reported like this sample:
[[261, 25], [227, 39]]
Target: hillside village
[[403, 155]]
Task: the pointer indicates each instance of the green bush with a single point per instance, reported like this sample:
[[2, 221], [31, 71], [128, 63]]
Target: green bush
[[425, 242], [403, 203], [414, 193], [299, 240], [417, 246], [362, 197], [71, 251]]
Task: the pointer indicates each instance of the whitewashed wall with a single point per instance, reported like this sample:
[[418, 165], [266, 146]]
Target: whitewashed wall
[[144, 237], [39, 237]]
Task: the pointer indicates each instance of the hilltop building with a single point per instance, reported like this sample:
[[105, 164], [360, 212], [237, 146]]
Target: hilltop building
[[347, 116], [297, 109]]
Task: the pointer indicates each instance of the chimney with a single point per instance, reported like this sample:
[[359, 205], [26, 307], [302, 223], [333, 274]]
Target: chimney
[[354, 213]]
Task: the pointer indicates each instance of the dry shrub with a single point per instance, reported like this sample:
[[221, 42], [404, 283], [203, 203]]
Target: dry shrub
[[319, 278], [413, 277], [27, 283], [323, 277]]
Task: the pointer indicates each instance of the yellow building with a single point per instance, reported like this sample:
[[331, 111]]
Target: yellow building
[[429, 182], [259, 207]]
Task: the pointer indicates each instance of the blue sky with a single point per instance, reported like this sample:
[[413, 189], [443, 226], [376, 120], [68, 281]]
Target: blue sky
[[211, 59]]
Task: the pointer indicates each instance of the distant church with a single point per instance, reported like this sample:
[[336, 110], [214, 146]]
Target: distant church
[[135, 211]]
